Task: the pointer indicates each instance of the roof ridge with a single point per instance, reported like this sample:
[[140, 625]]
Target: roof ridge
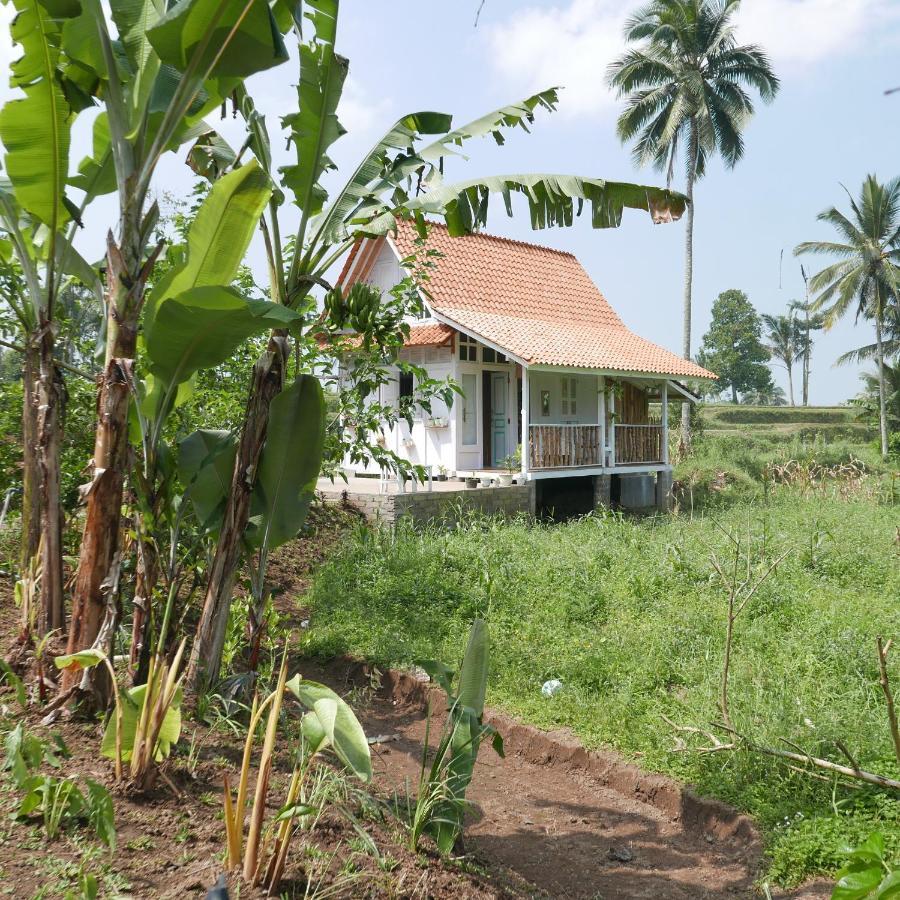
[[502, 239]]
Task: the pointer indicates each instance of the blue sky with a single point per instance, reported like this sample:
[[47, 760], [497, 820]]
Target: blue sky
[[830, 125]]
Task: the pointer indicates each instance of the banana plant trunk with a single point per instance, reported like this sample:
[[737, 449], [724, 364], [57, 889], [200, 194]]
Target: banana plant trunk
[[146, 577], [51, 407], [126, 280], [267, 383], [790, 375], [882, 388], [31, 472], [688, 277]]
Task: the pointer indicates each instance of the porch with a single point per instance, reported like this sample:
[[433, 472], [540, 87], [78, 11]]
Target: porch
[[611, 430]]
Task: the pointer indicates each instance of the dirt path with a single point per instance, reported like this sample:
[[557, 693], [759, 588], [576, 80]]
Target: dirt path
[[576, 825]]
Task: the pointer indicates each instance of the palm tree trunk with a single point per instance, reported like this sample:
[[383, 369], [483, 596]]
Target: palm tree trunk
[[51, 402], [688, 277], [31, 473], [807, 352], [126, 279], [268, 379], [790, 374], [882, 390]]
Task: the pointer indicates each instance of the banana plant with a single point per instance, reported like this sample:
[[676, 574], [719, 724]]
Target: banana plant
[[327, 724], [401, 176], [155, 69], [39, 222], [441, 800]]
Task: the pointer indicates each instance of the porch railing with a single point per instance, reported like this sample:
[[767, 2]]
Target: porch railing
[[564, 446], [638, 444]]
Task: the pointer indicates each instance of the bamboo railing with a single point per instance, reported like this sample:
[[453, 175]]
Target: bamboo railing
[[564, 446], [638, 444]]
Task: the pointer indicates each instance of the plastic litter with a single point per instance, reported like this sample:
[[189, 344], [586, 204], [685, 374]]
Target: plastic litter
[[551, 687]]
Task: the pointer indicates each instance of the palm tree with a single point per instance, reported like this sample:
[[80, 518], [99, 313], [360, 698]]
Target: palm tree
[[890, 341], [866, 275], [785, 343], [686, 87], [809, 323]]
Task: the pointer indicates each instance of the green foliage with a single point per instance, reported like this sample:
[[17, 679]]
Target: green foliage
[[625, 614], [868, 874], [733, 349], [441, 799], [686, 82], [331, 724], [289, 466], [58, 801], [132, 706]]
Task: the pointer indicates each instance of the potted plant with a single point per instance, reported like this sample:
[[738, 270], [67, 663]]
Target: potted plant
[[512, 464], [442, 473], [471, 482]]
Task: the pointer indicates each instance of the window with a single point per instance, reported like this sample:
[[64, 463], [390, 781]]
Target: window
[[469, 410], [489, 355], [569, 395], [406, 384], [468, 348]]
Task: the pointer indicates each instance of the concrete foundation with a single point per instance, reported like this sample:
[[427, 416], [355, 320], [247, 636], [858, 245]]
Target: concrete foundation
[[664, 491], [602, 485], [445, 506]]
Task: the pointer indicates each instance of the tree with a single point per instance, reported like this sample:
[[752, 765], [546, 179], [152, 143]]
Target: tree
[[785, 343], [154, 81], [733, 346], [686, 86], [810, 322], [869, 399], [401, 176], [866, 276]]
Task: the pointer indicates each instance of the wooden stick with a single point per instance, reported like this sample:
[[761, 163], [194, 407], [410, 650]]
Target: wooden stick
[[888, 695]]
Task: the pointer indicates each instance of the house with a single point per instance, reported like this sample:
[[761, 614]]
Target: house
[[543, 361]]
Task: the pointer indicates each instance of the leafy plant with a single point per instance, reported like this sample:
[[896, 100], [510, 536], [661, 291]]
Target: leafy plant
[[328, 724], [441, 799], [59, 801], [867, 875]]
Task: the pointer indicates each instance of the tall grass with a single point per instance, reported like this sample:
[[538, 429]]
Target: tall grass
[[627, 615]]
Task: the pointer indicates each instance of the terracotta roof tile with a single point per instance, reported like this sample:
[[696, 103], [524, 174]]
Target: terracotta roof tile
[[536, 303], [436, 335]]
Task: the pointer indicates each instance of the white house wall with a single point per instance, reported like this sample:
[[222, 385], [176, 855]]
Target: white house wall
[[421, 445], [586, 400]]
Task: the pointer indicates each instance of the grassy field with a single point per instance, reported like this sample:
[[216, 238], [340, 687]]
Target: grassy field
[[629, 616]]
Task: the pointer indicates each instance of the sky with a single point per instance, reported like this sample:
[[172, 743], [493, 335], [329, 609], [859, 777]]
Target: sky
[[830, 126]]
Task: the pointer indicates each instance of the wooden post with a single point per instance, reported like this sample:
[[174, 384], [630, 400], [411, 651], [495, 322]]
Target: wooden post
[[526, 437], [612, 430], [601, 417], [665, 422]]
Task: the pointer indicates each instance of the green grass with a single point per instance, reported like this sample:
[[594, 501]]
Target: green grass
[[626, 613]]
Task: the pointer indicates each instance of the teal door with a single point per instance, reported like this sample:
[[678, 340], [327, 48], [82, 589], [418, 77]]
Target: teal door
[[498, 418]]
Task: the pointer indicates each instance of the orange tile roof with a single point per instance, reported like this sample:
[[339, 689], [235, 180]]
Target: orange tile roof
[[436, 335], [535, 303]]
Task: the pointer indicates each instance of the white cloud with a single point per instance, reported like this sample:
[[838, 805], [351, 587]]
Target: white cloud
[[806, 32], [568, 46], [572, 44]]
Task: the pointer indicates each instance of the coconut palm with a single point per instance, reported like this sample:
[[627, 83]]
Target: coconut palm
[[686, 84], [866, 276], [809, 322], [890, 341], [785, 343]]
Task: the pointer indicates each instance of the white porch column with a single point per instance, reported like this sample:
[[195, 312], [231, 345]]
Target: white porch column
[[665, 422], [526, 437], [601, 415], [612, 429]]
